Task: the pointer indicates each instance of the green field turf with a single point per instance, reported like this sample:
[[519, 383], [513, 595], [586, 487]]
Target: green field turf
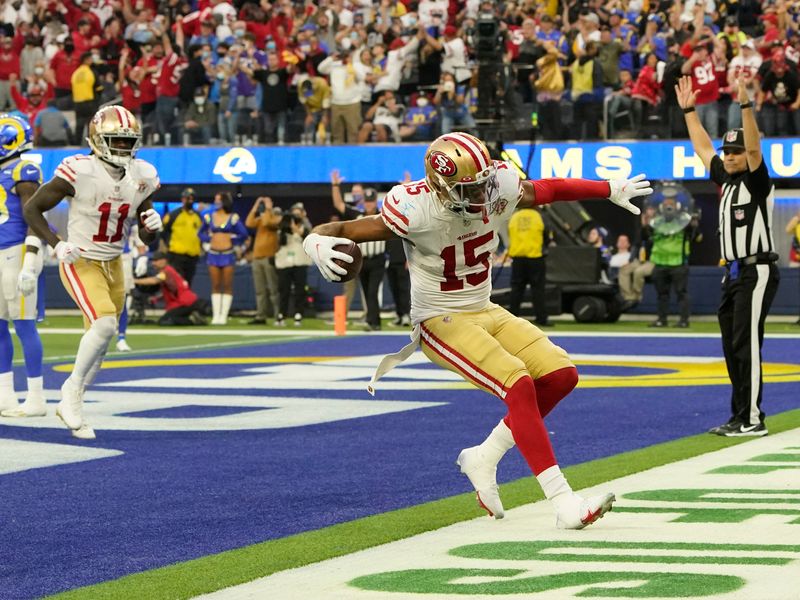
[[211, 573]]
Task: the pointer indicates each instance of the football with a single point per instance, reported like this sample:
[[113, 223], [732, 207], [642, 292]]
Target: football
[[354, 267]]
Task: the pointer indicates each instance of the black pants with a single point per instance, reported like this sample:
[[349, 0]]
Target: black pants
[[744, 306], [371, 276], [84, 111], [677, 278], [524, 272], [292, 282], [184, 264], [400, 284], [180, 315]]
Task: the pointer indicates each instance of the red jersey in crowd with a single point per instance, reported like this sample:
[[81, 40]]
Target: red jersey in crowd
[[175, 289], [9, 63], [647, 86], [169, 77], [24, 103], [705, 80], [147, 88], [132, 97], [64, 66]]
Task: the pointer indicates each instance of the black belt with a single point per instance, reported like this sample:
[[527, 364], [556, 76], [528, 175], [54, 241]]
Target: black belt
[[765, 258]]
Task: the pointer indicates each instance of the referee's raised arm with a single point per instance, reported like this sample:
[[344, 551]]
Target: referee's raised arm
[[752, 139], [701, 142]]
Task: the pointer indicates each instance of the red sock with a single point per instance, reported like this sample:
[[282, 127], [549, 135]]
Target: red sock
[[527, 426], [553, 387]]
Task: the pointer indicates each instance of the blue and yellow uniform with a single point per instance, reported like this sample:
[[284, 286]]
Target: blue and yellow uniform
[[232, 225], [16, 137]]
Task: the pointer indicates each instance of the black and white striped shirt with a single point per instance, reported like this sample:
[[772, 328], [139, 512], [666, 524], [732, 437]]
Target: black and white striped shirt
[[368, 249], [745, 211]]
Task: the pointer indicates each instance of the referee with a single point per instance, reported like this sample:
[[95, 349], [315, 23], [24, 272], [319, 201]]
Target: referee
[[747, 249], [374, 266]]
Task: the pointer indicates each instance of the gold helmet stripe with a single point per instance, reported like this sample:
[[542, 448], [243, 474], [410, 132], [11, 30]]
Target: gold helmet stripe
[[472, 149]]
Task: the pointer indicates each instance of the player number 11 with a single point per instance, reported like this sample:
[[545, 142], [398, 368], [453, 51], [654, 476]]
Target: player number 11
[[105, 215], [453, 283]]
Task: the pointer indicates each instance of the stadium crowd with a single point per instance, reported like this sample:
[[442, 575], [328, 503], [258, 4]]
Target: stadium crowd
[[211, 71]]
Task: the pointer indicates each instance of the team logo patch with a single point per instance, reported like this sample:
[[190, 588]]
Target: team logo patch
[[731, 135], [738, 214], [443, 164]]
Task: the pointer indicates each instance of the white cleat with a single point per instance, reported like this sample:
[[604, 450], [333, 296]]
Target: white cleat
[[482, 473], [70, 409], [122, 346], [84, 432], [29, 408], [584, 511]]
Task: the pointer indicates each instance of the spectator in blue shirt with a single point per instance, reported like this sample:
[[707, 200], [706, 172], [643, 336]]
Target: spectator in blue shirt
[[453, 109], [419, 121]]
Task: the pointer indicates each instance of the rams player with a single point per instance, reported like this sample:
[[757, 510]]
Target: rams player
[[106, 190], [20, 265], [450, 222]]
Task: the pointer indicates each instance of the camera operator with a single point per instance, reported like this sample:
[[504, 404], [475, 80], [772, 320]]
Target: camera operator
[[265, 219], [292, 262]]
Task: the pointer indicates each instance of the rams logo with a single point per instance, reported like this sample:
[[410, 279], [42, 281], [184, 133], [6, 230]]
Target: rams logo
[[442, 164], [233, 163]]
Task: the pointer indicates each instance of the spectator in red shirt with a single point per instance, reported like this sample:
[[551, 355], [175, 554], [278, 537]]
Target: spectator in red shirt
[[183, 307], [9, 66], [704, 81], [83, 39], [62, 66], [167, 93], [34, 100], [150, 63], [82, 11]]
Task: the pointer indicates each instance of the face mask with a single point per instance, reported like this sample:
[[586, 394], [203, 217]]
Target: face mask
[[200, 101], [221, 76], [239, 33], [271, 46], [305, 48], [205, 54], [422, 102], [39, 70]]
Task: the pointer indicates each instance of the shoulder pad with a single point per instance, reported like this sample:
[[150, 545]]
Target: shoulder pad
[[79, 163], [25, 170], [144, 169]]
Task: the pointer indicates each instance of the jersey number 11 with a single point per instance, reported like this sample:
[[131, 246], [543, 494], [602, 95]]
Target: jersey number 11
[[105, 215]]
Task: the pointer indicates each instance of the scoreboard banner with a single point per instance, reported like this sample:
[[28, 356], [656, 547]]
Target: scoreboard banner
[[387, 163]]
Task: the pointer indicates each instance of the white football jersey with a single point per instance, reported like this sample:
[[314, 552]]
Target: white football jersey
[[103, 209], [449, 258]]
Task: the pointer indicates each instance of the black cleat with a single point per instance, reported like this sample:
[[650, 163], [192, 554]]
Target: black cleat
[[738, 429]]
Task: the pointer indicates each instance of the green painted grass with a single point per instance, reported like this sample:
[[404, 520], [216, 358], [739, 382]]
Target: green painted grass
[[211, 573]]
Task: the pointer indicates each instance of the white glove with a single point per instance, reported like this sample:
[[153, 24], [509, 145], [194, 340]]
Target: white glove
[[624, 190], [140, 269], [67, 252], [151, 220], [29, 274], [320, 249]]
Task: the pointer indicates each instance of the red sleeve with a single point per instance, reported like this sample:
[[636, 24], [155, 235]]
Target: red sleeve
[[20, 100], [568, 190]]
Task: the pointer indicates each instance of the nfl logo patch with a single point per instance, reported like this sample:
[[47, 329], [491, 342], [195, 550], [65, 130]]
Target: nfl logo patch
[[731, 135], [738, 214]]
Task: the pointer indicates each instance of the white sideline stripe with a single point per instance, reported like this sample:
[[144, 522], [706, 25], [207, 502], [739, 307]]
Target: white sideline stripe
[[755, 347], [328, 580]]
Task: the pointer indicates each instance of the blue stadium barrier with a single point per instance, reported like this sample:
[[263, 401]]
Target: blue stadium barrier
[[374, 163]]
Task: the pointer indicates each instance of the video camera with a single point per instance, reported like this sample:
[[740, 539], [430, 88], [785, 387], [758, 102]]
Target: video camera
[[488, 38]]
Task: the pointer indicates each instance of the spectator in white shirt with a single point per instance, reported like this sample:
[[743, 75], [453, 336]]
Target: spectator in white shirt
[[346, 77], [745, 64], [454, 60]]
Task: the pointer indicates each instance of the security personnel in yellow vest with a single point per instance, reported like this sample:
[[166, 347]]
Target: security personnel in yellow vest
[[526, 233], [180, 236]]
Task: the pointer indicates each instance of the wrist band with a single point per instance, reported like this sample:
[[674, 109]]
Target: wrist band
[[334, 185], [686, 111], [33, 241], [747, 104]]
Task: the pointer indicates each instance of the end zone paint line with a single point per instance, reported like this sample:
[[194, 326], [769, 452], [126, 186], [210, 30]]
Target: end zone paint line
[[212, 573], [666, 535]]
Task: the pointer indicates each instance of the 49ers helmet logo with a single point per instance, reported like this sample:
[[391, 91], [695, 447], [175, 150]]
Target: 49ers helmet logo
[[442, 164]]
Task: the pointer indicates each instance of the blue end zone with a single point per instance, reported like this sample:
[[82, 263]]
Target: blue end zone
[[173, 496]]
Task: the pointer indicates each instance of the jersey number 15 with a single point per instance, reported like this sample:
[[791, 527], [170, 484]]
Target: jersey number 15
[[453, 283], [105, 215]]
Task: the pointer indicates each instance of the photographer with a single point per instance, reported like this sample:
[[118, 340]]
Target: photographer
[[265, 219], [453, 109], [291, 263]]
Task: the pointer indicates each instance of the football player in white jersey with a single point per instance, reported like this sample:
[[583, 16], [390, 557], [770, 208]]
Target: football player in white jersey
[[449, 222], [106, 189]]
